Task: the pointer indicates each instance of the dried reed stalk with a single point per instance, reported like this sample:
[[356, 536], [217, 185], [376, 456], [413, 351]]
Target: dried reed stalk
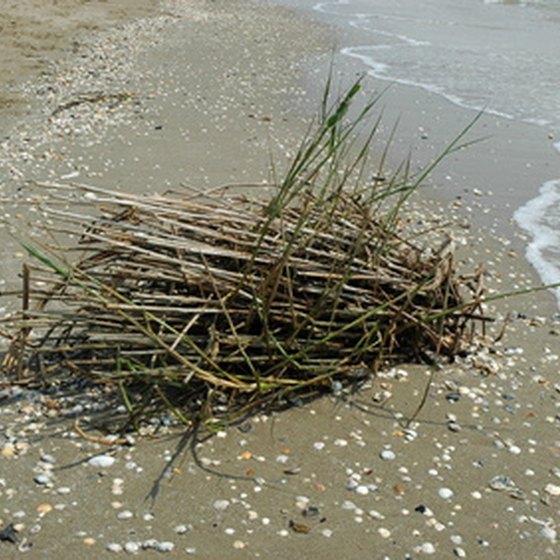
[[220, 303]]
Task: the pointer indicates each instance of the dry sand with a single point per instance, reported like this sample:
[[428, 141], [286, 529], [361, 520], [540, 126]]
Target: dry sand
[[34, 32], [212, 88]]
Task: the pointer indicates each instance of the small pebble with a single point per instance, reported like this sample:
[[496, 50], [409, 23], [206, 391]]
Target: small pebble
[[126, 514], [427, 548], [149, 543], [44, 508], [501, 482], [388, 455], [384, 533], [552, 489], [132, 547], [221, 505], [114, 547], [445, 493], [362, 489], [548, 533], [102, 461], [165, 546], [459, 552], [453, 427], [42, 479]]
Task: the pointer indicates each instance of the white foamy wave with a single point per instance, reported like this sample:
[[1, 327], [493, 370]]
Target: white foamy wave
[[540, 217], [380, 70], [323, 6], [361, 22]]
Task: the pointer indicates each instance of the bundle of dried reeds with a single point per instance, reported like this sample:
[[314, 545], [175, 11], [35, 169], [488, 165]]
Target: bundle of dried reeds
[[221, 302]]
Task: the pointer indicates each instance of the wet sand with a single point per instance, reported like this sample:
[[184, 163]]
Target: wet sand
[[474, 476]]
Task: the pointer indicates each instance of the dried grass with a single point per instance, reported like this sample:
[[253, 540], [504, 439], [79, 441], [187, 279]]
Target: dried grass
[[218, 303]]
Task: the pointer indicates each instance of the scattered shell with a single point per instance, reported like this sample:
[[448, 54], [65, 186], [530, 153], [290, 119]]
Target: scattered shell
[[453, 426], [445, 493], [552, 489], [102, 461], [502, 482], [427, 548], [410, 435], [384, 533], [165, 546], [42, 479], [114, 547], [388, 455], [132, 547], [8, 450], [44, 508], [149, 543], [299, 527], [221, 505], [548, 533]]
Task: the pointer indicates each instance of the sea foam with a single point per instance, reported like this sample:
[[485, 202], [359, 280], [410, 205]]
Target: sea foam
[[540, 217]]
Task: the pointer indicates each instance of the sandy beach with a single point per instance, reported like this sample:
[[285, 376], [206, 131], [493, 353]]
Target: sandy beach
[[144, 97]]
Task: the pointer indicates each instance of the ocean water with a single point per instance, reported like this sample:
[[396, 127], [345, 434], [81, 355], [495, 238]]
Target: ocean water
[[502, 56]]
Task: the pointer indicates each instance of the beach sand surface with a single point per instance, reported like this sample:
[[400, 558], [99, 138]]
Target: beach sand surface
[[208, 93], [33, 32]]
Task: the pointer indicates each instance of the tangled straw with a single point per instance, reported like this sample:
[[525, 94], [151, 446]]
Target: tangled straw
[[217, 303]]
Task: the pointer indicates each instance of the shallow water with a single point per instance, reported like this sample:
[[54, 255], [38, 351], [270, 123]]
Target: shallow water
[[500, 56]]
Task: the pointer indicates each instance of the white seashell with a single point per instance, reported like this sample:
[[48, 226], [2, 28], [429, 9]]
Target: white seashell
[[445, 493], [165, 546], [221, 505], [102, 461], [552, 489], [549, 533], [388, 455]]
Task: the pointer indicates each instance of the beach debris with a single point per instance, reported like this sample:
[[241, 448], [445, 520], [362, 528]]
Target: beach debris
[[42, 479], [445, 493], [190, 300], [221, 505], [102, 461], [552, 489], [8, 534], [301, 528], [501, 483], [388, 455]]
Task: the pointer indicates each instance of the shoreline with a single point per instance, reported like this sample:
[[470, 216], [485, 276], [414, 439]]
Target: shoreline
[[474, 475], [506, 171]]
